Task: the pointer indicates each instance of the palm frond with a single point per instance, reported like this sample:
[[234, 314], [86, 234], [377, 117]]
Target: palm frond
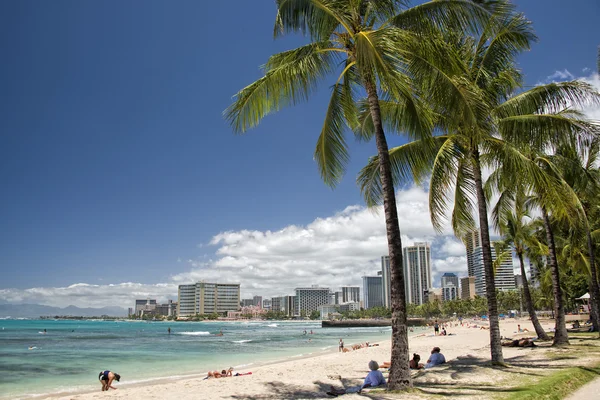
[[443, 180], [290, 78], [409, 162], [510, 35], [450, 15], [331, 152], [463, 220], [317, 18], [549, 98], [541, 130], [407, 115]]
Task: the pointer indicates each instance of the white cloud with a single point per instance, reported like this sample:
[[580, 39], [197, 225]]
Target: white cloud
[[86, 295], [560, 76], [333, 251]]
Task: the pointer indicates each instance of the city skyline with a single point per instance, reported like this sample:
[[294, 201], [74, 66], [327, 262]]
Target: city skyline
[[123, 181]]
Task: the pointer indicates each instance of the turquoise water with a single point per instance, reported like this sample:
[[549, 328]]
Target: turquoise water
[[69, 356]]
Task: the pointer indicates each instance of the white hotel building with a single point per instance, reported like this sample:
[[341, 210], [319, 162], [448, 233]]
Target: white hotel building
[[208, 298]]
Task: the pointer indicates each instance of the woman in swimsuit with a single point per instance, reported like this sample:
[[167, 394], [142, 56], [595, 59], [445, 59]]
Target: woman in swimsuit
[[106, 379]]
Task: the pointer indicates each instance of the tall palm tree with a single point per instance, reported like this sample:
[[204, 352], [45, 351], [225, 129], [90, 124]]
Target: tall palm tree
[[487, 131], [518, 234], [578, 162], [372, 46]]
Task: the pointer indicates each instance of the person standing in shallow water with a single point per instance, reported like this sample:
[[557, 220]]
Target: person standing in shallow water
[[169, 330], [341, 347]]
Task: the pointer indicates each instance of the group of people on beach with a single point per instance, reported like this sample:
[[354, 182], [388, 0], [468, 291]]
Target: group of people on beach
[[375, 377], [225, 373]]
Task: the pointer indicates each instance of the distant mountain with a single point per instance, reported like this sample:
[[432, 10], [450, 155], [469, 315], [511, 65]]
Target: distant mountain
[[38, 310]]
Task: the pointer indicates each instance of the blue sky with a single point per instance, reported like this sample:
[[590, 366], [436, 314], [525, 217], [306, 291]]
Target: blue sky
[[117, 166]]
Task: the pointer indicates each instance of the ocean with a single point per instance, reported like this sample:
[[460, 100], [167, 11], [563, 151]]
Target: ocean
[[70, 354]]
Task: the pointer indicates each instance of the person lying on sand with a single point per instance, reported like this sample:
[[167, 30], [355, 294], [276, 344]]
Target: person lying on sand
[[519, 343], [374, 378], [214, 374]]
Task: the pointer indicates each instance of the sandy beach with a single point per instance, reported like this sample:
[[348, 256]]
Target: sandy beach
[[467, 352]]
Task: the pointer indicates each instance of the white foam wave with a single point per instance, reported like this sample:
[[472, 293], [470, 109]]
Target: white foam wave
[[242, 341], [272, 325], [193, 333], [242, 365]]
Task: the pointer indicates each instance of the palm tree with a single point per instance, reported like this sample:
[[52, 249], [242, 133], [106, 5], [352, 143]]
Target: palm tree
[[491, 123], [577, 160], [372, 46], [517, 233]]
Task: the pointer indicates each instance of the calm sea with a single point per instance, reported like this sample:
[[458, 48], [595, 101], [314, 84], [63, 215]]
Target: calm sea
[[69, 356]]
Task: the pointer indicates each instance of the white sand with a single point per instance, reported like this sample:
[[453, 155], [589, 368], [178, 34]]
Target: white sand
[[312, 377]]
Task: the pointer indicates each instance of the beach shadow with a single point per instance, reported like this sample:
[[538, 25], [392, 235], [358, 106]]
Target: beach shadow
[[280, 390]]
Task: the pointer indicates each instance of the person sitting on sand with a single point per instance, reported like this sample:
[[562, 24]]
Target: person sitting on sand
[[576, 324], [414, 363], [106, 379], [436, 358], [373, 379], [443, 332]]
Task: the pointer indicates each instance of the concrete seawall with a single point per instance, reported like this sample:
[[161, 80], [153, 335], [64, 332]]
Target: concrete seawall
[[362, 323]]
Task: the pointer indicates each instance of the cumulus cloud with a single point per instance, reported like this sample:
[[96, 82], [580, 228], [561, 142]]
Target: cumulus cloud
[[330, 252], [558, 76], [86, 295]]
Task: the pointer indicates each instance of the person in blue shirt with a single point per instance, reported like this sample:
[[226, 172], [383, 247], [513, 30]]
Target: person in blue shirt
[[373, 379], [436, 358]]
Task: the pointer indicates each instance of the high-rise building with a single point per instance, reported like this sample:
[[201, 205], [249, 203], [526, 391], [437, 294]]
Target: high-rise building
[[288, 306], [417, 272], [386, 282], [467, 287], [266, 304], [472, 241], [372, 291], [504, 278], [168, 309], [449, 286], [145, 305], [257, 301], [247, 302], [276, 304], [350, 294], [309, 299], [207, 298], [338, 298], [518, 281]]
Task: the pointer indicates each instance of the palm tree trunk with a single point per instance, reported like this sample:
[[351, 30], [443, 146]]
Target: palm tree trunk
[[595, 292], [490, 284], [399, 372], [529, 303], [560, 329], [592, 309]]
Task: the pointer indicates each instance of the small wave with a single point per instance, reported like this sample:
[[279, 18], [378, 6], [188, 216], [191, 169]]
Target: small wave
[[242, 365], [242, 341], [193, 333], [272, 325], [297, 355]]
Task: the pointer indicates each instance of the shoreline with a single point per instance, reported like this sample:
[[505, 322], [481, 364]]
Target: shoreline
[[310, 376], [173, 379]]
